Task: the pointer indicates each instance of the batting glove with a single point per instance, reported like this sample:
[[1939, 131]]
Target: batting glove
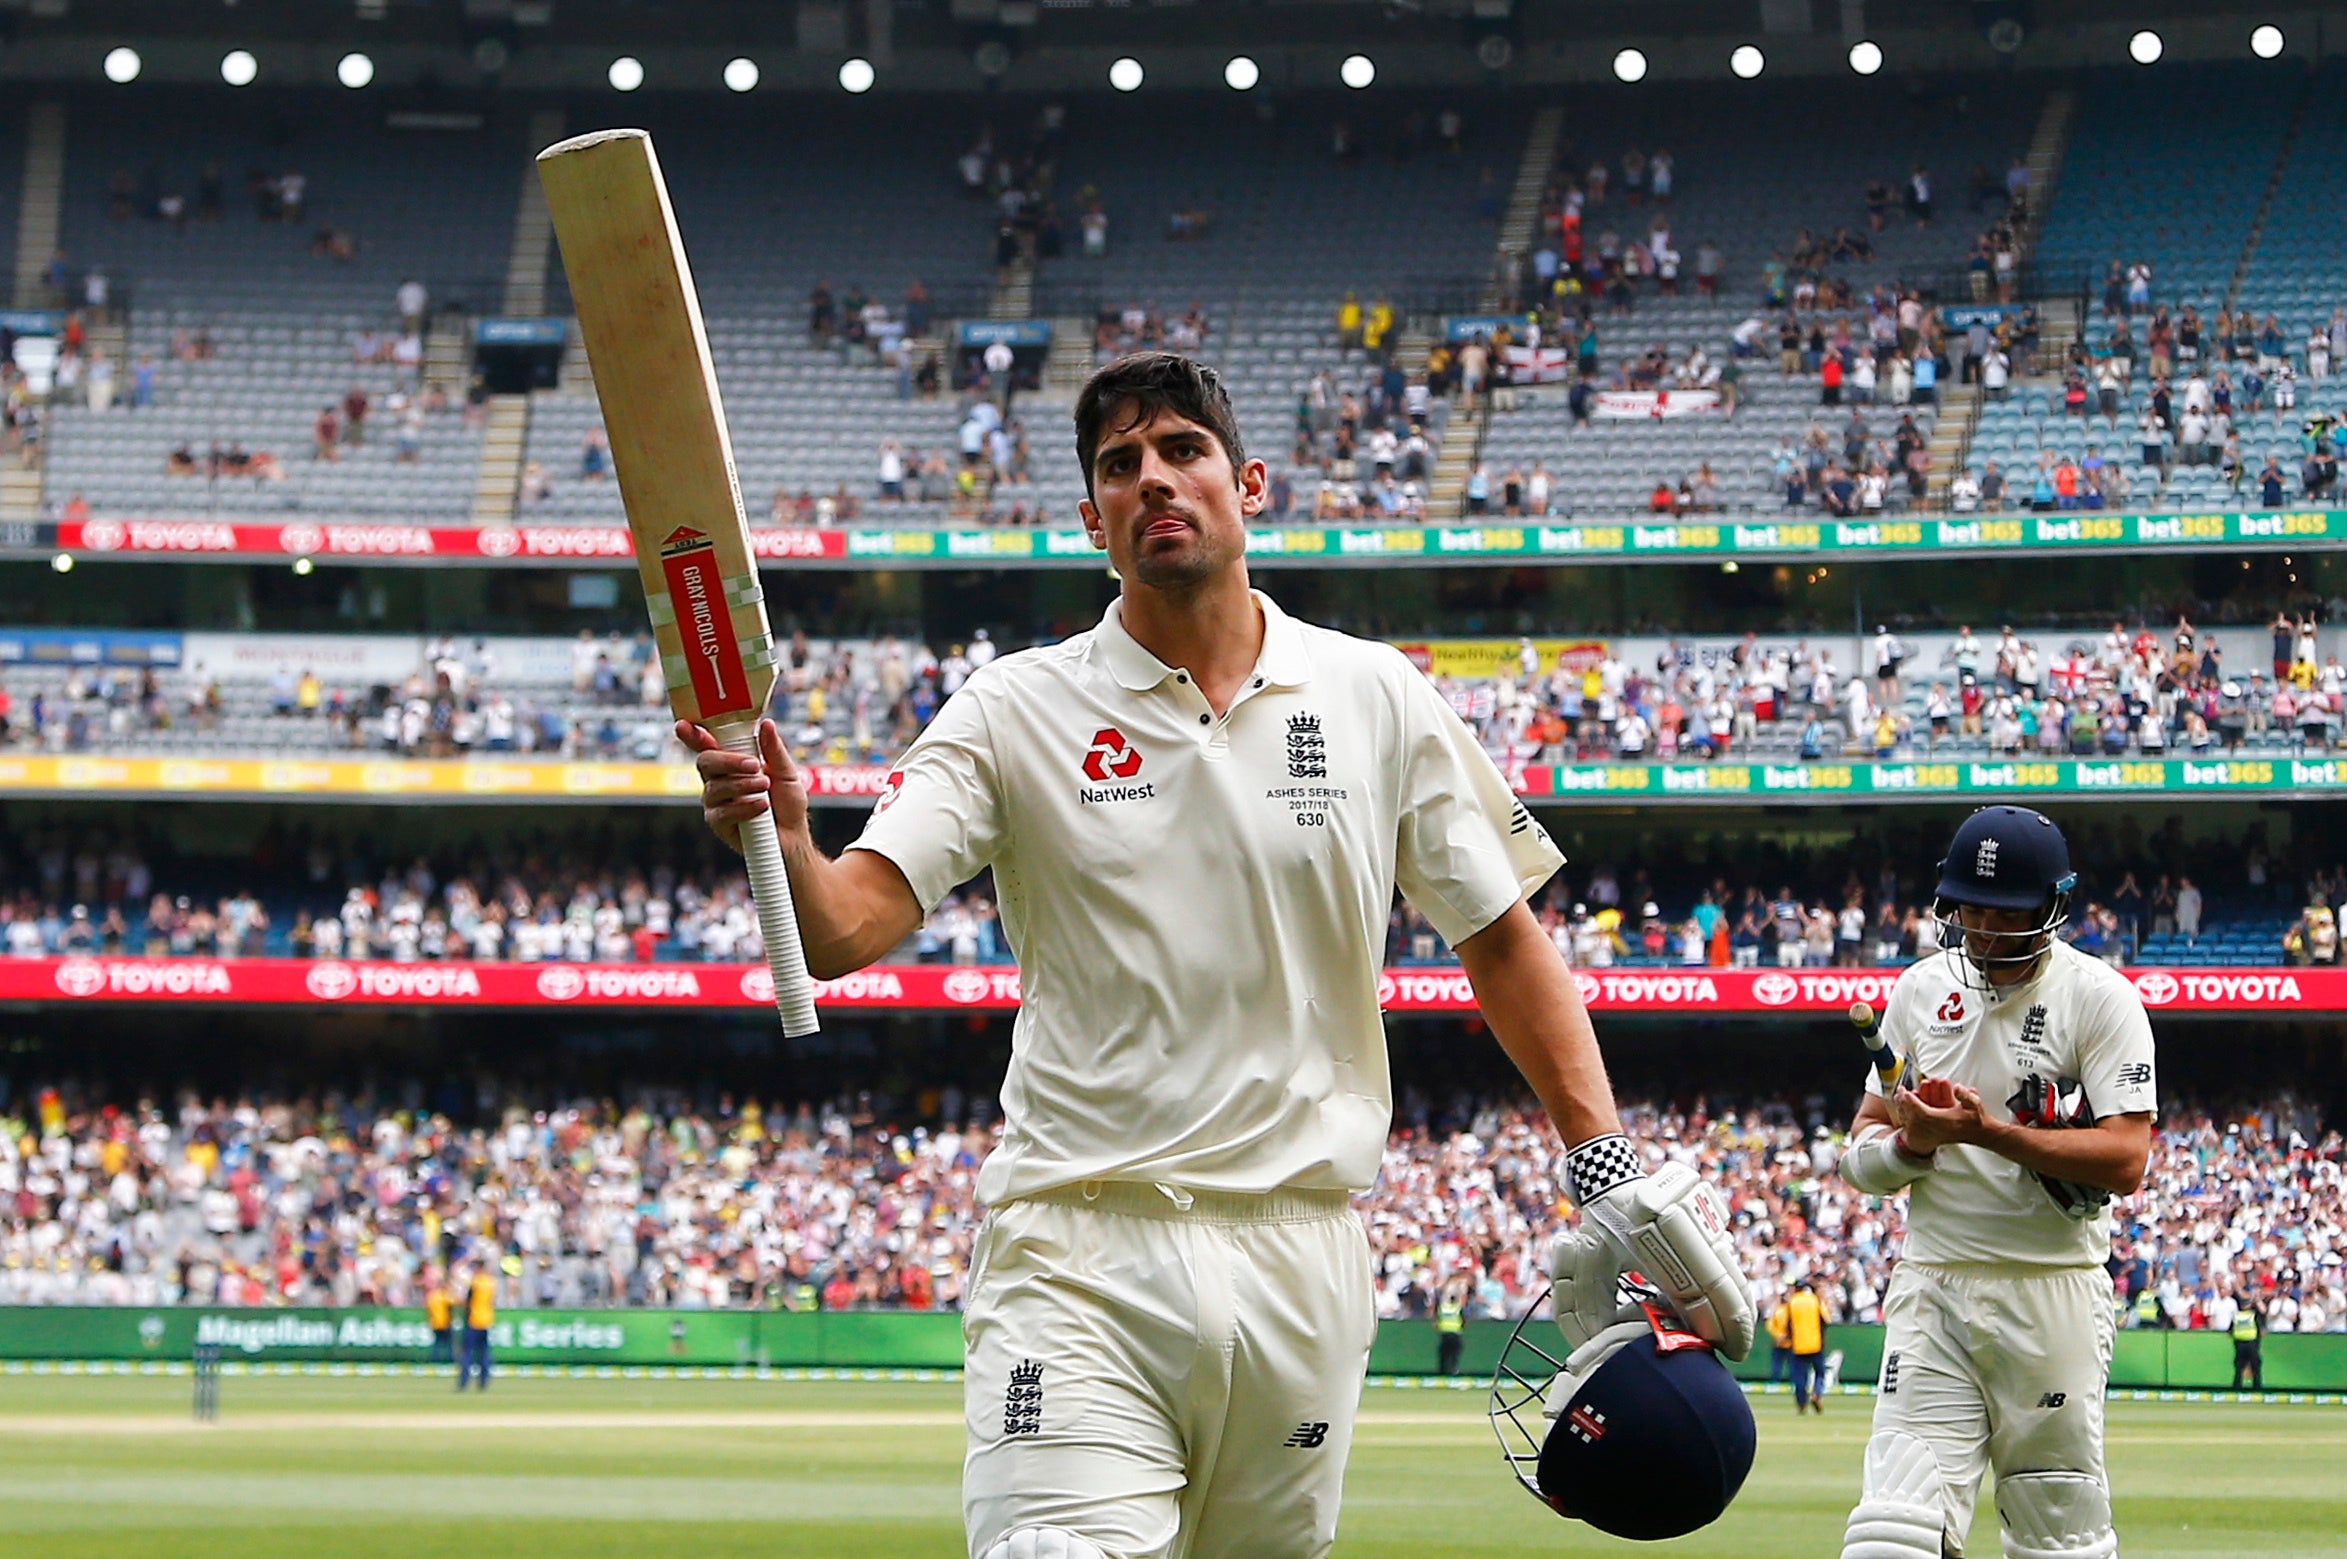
[[1669, 1227]]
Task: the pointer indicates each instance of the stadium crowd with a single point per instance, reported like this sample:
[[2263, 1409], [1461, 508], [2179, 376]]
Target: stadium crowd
[[341, 1202], [578, 897], [2128, 691], [2131, 690], [531, 902]]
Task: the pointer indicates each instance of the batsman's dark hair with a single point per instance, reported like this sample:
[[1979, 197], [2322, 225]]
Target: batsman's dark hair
[[1135, 388]]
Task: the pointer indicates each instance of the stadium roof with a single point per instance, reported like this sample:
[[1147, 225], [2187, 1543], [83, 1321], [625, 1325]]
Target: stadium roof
[[1065, 45]]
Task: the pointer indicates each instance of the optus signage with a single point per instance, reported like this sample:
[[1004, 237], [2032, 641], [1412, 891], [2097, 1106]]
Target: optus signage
[[995, 987]]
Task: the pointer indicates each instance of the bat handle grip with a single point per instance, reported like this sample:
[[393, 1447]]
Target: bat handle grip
[[786, 958]]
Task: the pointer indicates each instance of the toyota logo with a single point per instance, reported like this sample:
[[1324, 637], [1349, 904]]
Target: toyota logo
[[966, 986], [81, 977], [1590, 987], [758, 983], [301, 539], [331, 981], [1386, 990], [2158, 988], [560, 983], [499, 541], [104, 535], [1775, 990]]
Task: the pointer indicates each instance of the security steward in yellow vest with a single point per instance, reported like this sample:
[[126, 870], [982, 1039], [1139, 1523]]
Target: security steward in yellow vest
[[1450, 1329], [2249, 1329], [440, 1316]]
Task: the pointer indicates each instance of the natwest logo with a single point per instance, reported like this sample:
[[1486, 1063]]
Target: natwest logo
[[1111, 756]]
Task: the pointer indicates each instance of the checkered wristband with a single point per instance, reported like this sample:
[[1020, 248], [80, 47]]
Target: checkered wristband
[[1600, 1164]]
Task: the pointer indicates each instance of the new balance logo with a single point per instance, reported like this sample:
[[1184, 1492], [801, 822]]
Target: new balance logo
[[2135, 1074], [2053, 1399], [1308, 1437], [1022, 1402]]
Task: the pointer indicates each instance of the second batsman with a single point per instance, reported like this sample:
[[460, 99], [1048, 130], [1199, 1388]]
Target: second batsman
[[2026, 1104]]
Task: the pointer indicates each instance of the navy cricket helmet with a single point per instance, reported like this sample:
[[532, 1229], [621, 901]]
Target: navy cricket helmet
[[1652, 1440], [2006, 857], [2003, 858]]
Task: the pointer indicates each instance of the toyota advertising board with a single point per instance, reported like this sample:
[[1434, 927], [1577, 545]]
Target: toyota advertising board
[[995, 987]]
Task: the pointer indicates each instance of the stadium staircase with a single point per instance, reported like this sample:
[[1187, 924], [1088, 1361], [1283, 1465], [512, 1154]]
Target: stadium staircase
[[507, 429], [2058, 322], [1540, 159], [448, 354], [1951, 438], [1014, 289], [2273, 185], [502, 438], [1068, 365], [20, 492], [37, 217], [1462, 443], [41, 204], [2045, 163], [533, 226]]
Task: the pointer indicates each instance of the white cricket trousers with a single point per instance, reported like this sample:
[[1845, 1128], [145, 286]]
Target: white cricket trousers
[[1997, 1366], [1170, 1374]]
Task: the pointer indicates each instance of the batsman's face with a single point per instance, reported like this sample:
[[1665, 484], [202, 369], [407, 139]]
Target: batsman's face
[[1999, 934], [1166, 504]]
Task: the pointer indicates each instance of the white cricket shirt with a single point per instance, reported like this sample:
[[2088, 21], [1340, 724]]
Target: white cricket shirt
[[1199, 903], [2078, 1018]]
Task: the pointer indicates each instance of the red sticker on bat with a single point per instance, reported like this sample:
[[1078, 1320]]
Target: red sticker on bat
[[696, 592]]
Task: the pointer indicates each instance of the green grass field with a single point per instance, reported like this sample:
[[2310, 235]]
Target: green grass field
[[323, 1468]]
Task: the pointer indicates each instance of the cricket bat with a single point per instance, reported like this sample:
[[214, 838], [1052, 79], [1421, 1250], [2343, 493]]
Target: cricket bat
[[641, 321], [1888, 1065]]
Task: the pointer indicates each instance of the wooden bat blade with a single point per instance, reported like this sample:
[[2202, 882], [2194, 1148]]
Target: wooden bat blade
[[665, 420]]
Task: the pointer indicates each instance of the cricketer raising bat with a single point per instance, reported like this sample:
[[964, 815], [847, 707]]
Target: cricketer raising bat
[[1887, 1064], [641, 321]]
